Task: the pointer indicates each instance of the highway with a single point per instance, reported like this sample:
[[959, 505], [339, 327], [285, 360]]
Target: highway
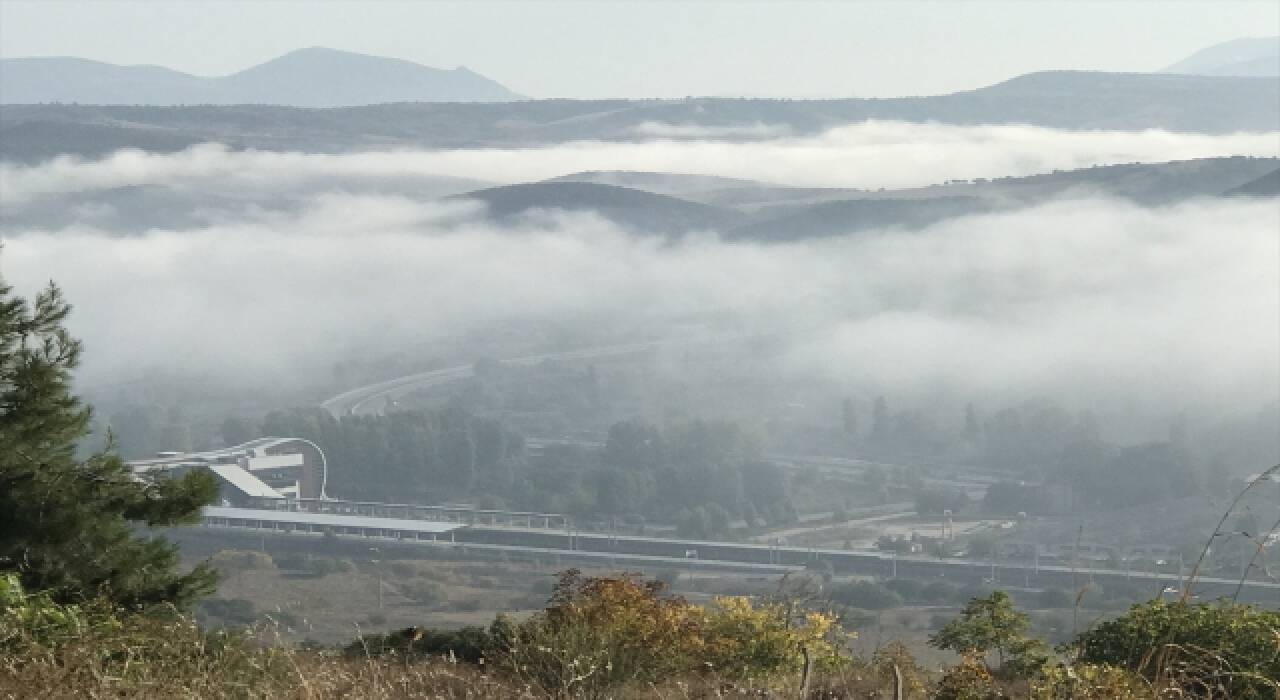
[[634, 551], [371, 398]]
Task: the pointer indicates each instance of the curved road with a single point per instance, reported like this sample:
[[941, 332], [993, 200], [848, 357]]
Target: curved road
[[371, 398]]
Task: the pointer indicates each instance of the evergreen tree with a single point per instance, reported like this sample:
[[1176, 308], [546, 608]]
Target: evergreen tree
[[68, 525]]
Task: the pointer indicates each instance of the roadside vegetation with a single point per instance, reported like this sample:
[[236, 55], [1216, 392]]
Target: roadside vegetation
[[625, 637]]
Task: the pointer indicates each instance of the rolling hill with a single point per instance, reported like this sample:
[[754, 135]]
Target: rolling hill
[[1253, 57], [1266, 186], [314, 77], [738, 209], [637, 210]]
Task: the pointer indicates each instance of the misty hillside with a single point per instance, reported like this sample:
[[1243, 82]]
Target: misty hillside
[[314, 77], [1060, 99], [1253, 56], [674, 184], [634, 209], [849, 216], [1266, 186], [1145, 183], [136, 209], [664, 203]]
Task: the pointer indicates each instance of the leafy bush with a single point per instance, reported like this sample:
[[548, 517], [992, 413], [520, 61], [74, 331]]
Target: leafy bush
[[938, 593], [742, 641], [601, 633], [312, 565], [866, 595], [469, 644], [598, 633], [223, 612], [909, 589], [1218, 649], [968, 680]]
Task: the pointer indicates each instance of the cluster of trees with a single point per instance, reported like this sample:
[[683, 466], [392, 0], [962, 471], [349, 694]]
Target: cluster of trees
[[408, 456], [701, 475], [1043, 443]]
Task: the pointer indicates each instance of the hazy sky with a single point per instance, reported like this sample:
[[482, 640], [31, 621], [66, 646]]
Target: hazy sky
[[659, 49]]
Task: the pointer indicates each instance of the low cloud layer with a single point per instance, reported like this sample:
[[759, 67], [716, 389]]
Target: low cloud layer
[[1086, 300], [865, 155]]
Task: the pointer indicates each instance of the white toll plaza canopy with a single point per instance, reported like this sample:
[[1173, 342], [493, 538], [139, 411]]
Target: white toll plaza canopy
[[428, 527]]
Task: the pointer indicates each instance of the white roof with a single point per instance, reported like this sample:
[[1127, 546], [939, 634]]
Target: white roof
[[285, 516], [183, 458], [243, 480], [272, 461]]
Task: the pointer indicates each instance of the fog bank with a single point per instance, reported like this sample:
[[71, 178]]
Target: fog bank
[[1086, 300], [867, 155]]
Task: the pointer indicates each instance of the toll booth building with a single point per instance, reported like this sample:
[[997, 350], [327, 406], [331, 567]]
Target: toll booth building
[[266, 468]]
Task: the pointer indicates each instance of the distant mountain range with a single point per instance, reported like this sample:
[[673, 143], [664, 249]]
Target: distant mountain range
[[322, 77], [1058, 99], [1250, 57], [314, 77]]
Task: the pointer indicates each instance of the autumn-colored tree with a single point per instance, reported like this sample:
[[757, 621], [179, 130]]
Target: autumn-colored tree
[[746, 641], [601, 632], [968, 680]]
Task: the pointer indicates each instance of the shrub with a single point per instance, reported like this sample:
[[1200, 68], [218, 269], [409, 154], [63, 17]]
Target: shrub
[[742, 641], [1088, 681], [469, 644], [938, 593], [910, 590], [968, 680], [598, 633], [1206, 649], [225, 612], [866, 595], [602, 633]]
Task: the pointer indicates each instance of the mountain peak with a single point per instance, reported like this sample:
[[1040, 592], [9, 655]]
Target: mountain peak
[[315, 76]]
